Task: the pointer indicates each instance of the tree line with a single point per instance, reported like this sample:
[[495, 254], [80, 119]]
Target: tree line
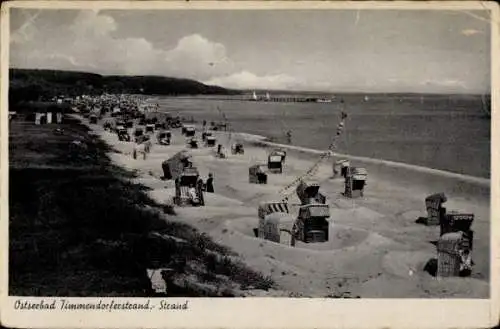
[[39, 85]]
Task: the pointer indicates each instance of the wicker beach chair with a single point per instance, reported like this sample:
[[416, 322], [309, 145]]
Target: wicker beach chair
[[453, 255], [355, 182], [435, 209]]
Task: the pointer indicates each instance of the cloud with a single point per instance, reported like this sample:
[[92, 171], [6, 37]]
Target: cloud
[[248, 80], [89, 43], [470, 32], [446, 83], [197, 57]]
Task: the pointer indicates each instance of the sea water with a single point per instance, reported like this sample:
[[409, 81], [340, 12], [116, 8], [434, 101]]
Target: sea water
[[450, 133]]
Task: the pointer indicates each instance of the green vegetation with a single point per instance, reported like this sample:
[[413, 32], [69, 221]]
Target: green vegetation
[[26, 85], [79, 227]]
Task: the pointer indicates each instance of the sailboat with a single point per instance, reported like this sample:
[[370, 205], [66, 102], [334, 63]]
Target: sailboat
[[254, 96], [323, 100], [268, 98]]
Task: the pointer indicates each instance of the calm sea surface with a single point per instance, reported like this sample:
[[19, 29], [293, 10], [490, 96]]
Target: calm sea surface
[[442, 132]]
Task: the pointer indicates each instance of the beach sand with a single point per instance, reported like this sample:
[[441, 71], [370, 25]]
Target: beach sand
[[376, 249]]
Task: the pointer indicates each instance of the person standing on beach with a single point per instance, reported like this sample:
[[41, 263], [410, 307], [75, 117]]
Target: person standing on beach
[[210, 183]]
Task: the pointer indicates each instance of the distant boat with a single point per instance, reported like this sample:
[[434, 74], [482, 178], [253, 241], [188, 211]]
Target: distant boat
[[268, 97], [367, 98], [323, 100], [254, 96]]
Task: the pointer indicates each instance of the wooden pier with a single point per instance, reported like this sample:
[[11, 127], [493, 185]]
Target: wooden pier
[[286, 100]]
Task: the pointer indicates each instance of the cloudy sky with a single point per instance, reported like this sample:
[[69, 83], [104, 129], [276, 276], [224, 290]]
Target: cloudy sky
[[330, 50]]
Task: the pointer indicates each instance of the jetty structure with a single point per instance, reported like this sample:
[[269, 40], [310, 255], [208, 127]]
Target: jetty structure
[[284, 98]]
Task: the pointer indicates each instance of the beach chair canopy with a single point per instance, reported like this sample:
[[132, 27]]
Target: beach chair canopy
[[359, 171], [437, 197], [279, 152], [314, 210], [193, 171], [344, 163], [278, 217], [275, 158], [359, 174], [266, 208], [460, 221], [255, 168], [182, 155], [450, 242], [187, 179], [308, 188]]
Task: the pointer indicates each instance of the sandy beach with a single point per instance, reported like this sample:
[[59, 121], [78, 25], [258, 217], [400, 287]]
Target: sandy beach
[[376, 249]]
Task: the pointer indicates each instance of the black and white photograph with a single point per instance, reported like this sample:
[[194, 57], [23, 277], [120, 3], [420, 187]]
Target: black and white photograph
[[328, 153]]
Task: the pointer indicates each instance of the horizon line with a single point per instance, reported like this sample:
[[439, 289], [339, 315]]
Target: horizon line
[[258, 89]]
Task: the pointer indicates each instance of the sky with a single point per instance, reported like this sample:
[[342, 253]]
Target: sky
[[317, 50]]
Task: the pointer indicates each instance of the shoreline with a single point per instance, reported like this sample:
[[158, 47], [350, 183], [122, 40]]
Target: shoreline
[[264, 141], [230, 214]]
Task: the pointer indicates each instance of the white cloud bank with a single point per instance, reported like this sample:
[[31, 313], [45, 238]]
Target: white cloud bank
[[470, 32], [248, 80], [88, 44]]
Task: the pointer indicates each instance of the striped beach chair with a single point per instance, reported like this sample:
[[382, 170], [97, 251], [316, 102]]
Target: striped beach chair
[[267, 208]]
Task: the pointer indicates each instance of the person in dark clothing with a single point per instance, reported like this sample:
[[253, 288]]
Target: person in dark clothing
[[210, 183]]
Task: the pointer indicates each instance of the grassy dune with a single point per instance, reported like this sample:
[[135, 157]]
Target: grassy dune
[[79, 227]]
